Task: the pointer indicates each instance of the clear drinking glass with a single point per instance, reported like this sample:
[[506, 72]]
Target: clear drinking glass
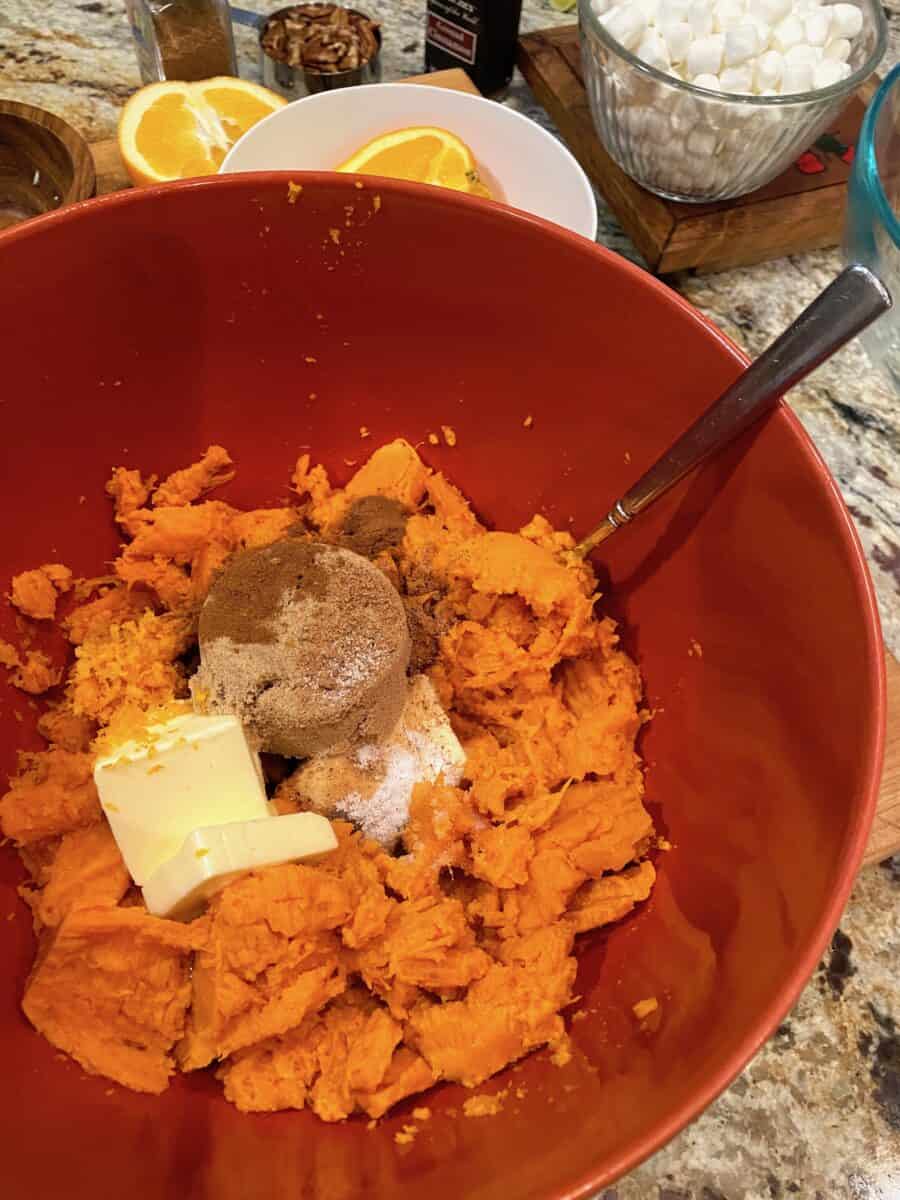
[[695, 145], [872, 234]]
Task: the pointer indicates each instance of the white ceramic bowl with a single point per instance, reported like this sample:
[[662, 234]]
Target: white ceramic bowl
[[532, 170]]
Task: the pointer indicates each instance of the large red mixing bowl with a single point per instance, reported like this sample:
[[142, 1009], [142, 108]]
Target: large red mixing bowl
[[140, 328]]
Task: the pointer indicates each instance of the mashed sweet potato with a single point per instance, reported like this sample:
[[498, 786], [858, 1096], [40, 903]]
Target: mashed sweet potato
[[34, 593], [351, 984]]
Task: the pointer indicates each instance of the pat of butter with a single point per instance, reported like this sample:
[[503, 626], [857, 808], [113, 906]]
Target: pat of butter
[[210, 858], [191, 771]]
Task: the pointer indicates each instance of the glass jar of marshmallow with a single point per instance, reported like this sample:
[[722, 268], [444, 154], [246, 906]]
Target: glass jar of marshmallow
[[702, 100]]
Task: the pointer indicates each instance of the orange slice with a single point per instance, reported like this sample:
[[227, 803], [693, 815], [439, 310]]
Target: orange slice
[[176, 130], [423, 154]]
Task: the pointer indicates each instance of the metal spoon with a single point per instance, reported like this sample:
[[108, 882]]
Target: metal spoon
[[847, 306]]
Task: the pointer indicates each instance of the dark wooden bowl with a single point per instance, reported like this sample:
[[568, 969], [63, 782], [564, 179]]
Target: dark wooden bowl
[[44, 163]]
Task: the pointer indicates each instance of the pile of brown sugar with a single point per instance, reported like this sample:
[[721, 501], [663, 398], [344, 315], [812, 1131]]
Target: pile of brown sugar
[[307, 644]]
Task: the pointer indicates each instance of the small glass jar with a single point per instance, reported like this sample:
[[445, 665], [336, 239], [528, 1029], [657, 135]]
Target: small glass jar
[[182, 39]]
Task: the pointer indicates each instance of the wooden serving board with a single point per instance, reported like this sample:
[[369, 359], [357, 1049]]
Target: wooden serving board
[[803, 209], [885, 839]]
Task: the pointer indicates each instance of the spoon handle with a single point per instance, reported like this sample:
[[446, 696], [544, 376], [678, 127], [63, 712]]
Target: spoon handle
[[850, 302]]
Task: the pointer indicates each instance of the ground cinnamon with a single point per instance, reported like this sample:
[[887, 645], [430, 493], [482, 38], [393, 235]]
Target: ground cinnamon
[[373, 524], [182, 39]]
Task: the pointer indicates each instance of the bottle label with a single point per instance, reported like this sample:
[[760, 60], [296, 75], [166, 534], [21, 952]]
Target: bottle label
[[479, 35], [453, 26]]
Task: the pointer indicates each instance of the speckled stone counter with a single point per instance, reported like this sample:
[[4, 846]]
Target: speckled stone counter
[[817, 1113]]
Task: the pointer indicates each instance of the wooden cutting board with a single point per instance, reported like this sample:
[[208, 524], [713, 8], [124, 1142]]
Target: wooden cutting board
[[885, 839], [802, 209]]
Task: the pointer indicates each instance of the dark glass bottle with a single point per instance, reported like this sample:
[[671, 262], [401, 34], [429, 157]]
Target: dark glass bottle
[[478, 35]]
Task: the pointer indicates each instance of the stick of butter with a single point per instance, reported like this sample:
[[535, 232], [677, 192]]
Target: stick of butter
[[210, 858], [188, 772]]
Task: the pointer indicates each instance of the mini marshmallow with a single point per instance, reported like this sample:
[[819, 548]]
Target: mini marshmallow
[[802, 56], [704, 56], [846, 20], [700, 19], [600, 6], [653, 50], [817, 27], [657, 127], [670, 166], [710, 82], [677, 37], [649, 9], [837, 50], [637, 119], [829, 72], [772, 11], [788, 32], [741, 44], [682, 122], [762, 27], [671, 10], [798, 78], [701, 143], [626, 24], [768, 70], [727, 14], [737, 79]]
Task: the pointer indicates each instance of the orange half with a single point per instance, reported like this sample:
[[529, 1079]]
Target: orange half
[[174, 130]]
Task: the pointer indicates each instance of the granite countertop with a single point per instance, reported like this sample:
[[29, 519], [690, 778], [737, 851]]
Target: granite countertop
[[817, 1113]]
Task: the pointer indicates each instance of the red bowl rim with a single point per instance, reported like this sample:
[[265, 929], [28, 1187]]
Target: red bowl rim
[[851, 856]]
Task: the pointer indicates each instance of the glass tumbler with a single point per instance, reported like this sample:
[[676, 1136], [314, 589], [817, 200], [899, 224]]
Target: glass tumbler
[[872, 233]]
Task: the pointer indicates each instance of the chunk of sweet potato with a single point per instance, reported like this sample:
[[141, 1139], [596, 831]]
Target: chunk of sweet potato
[[87, 871], [111, 989], [271, 960], [34, 593], [53, 794]]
